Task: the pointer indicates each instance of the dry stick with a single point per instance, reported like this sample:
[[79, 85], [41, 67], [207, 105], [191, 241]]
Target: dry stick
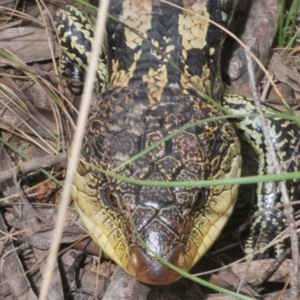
[[266, 275], [75, 153], [32, 165], [288, 209]]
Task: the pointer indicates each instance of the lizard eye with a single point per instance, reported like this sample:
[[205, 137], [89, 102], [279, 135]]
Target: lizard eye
[[199, 199], [113, 199]]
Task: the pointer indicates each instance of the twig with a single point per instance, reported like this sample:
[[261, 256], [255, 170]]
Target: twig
[[75, 152], [32, 165], [271, 270]]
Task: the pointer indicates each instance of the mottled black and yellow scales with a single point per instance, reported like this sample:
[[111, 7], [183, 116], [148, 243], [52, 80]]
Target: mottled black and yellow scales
[[143, 99]]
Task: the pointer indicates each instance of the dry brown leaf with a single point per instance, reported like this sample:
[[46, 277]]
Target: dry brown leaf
[[30, 44], [284, 71]]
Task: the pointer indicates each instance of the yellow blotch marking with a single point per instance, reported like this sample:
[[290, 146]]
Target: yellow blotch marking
[[285, 124], [170, 48], [167, 39], [81, 49], [87, 35], [293, 138], [153, 50], [138, 16], [78, 61], [203, 83], [157, 95], [156, 81], [206, 72], [193, 28], [224, 16], [151, 100], [186, 82], [73, 41], [162, 76], [122, 77], [159, 76], [186, 44]]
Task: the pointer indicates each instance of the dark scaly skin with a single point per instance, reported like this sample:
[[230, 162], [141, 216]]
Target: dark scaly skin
[[75, 30], [285, 135], [146, 99]]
